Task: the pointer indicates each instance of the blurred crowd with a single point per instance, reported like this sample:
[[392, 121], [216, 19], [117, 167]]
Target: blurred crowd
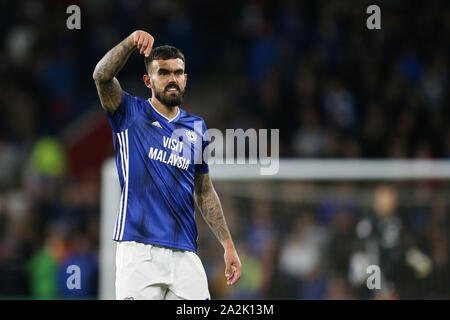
[[324, 240], [310, 68]]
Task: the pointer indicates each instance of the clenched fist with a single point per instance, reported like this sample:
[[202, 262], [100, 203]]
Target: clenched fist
[[143, 41], [233, 266]]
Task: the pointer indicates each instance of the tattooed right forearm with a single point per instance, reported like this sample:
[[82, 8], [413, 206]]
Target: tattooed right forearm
[[113, 61], [108, 87]]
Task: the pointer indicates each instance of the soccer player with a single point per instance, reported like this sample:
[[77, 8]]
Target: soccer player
[[161, 178]]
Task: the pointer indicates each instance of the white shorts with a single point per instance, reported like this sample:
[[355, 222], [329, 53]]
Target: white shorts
[[149, 272]]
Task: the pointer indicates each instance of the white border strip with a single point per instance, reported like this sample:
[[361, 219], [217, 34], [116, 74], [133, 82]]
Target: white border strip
[[110, 194], [319, 169]]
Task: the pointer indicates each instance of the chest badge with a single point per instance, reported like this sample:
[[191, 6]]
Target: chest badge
[[191, 135]]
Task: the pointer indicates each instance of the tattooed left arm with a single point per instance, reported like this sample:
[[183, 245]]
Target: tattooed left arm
[[209, 205]]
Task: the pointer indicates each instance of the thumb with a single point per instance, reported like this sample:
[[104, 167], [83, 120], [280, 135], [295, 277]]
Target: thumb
[[228, 270], [149, 49]]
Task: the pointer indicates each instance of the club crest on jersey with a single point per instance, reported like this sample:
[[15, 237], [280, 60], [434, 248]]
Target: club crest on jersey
[[191, 135]]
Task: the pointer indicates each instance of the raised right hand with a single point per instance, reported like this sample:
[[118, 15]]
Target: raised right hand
[[143, 41]]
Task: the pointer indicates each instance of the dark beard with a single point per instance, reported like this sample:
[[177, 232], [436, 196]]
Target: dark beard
[[170, 101]]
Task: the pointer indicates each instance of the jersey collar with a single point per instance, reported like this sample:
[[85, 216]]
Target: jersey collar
[[168, 120]]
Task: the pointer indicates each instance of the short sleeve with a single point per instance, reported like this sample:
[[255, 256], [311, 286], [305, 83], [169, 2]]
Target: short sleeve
[[203, 167], [125, 113]]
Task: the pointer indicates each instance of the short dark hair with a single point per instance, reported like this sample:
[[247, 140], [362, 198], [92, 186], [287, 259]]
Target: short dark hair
[[163, 53]]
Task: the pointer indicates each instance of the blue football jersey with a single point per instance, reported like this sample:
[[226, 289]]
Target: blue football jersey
[[156, 159]]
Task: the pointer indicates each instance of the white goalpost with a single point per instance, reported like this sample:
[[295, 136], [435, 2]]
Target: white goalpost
[[289, 170]]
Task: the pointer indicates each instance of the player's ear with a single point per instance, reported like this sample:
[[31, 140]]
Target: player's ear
[[147, 81]]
